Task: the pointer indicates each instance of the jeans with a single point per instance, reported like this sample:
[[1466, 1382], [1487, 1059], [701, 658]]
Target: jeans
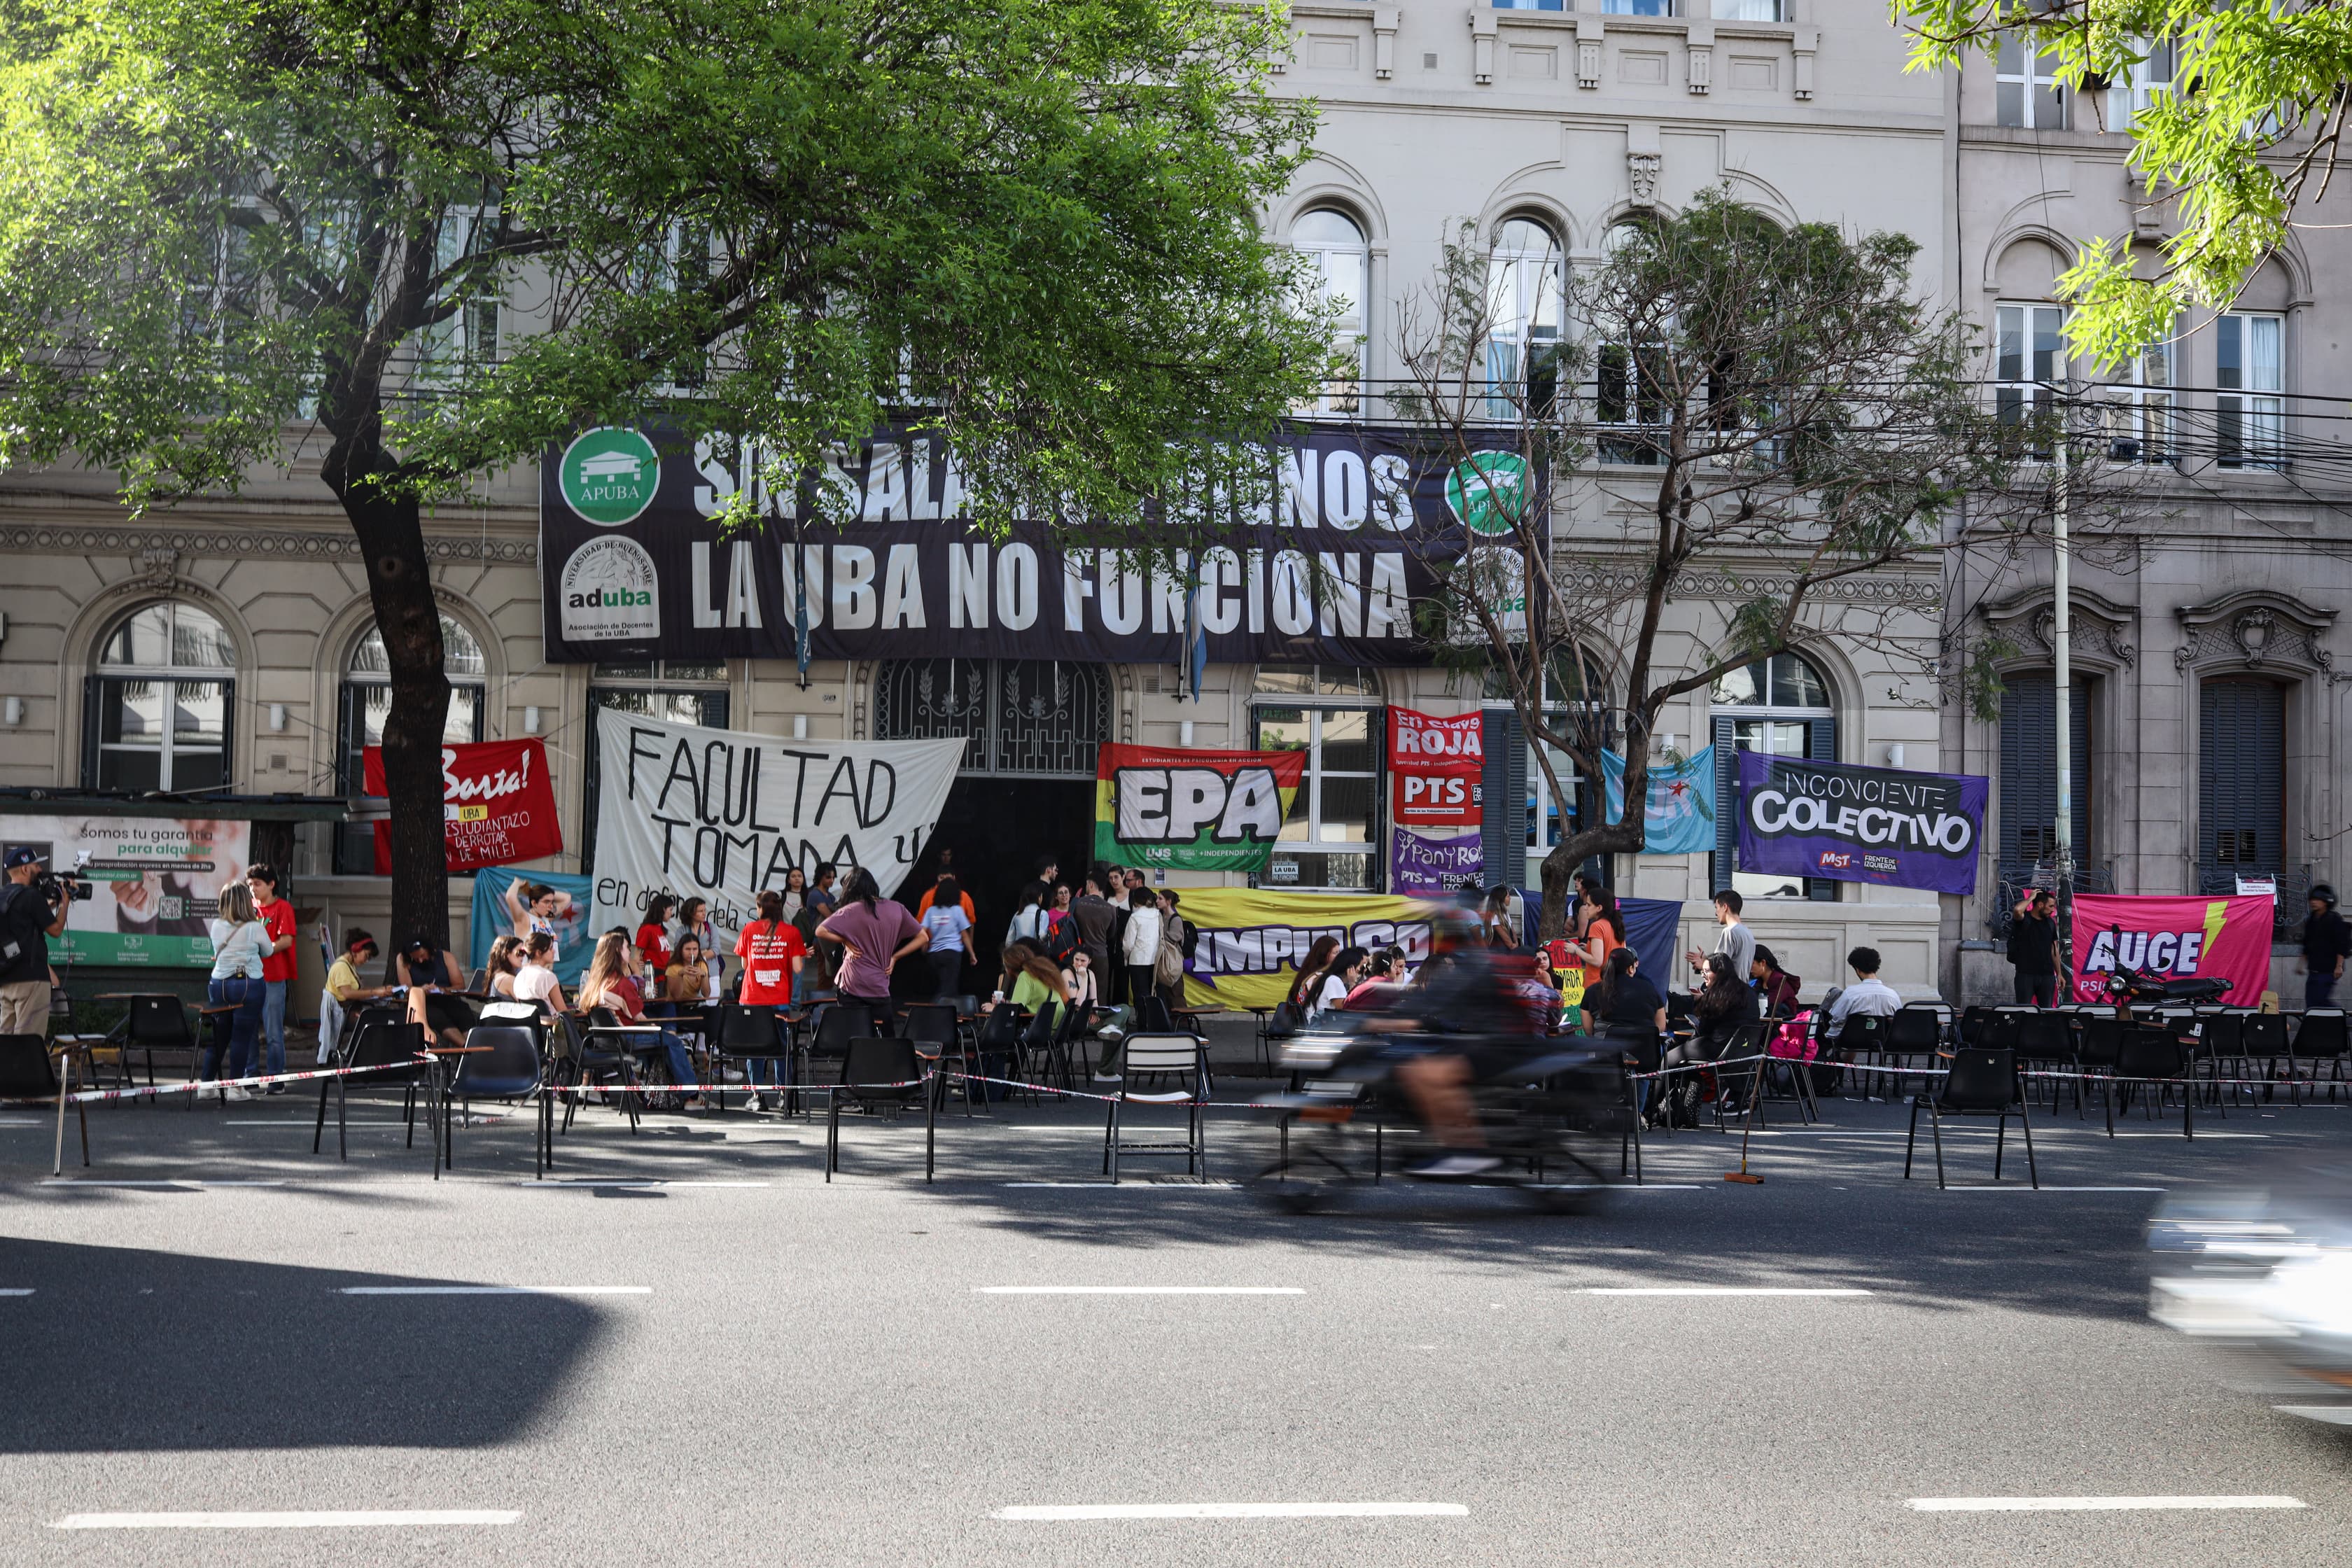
[[273, 1025], [681, 1065], [2037, 990], [2319, 986], [770, 1071], [243, 1026]]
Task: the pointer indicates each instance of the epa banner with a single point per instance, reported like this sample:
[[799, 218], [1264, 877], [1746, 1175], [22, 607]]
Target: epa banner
[[156, 882], [2179, 938], [1435, 764], [1436, 863], [497, 804], [1901, 830], [1325, 554], [1252, 939], [683, 809], [1192, 811]]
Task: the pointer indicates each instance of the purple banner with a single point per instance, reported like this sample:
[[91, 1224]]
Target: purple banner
[[1888, 826], [1423, 863]]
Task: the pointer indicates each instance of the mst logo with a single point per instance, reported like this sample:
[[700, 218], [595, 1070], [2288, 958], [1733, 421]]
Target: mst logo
[[1178, 806], [1836, 859], [609, 592]]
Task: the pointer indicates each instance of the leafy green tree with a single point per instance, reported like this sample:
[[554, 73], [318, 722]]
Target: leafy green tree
[[1732, 399], [414, 241], [2243, 126]]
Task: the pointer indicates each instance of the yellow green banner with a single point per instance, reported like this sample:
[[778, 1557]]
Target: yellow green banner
[[1252, 939]]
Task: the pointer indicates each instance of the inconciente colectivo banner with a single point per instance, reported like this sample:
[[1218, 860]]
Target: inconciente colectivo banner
[[1337, 534], [1252, 937], [1889, 825], [1194, 811], [684, 809]]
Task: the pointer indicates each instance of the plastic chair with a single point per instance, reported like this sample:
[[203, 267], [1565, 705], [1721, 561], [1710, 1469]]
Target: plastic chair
[[879, 1074], [743, 1034], [397, 1050], [1185, 1056], [509, 1069], [152, 1023], [936, 1025], [2152, 1059], [1981, 1083], [2322, 1038], [837, 1026], [25, 1074]]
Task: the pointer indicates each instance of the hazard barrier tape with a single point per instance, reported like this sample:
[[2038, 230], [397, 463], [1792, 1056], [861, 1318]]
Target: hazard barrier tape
[[202, 1086]]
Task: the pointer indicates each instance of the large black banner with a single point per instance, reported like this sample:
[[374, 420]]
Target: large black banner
[[1322, 566]]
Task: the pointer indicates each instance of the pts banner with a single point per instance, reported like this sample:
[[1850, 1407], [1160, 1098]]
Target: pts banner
[[2177, 938], [1436, 763], [497, 804], [1195, 811], [1252, 939], [1799, 818]]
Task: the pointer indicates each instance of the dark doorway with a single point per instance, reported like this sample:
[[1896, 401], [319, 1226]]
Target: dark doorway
[[998, 830]]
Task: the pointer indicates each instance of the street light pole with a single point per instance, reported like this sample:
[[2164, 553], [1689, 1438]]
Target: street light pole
[[2062, 652]]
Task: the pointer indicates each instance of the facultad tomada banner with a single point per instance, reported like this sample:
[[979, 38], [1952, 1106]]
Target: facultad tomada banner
[[498, 806], [2177, 938], [1889, 825], [1197, 811]]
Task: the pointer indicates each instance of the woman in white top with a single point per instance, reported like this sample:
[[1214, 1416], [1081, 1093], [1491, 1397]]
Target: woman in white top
[[1033, 921], [240, 942], [1140, 947], [536, 982], [1347, 968]]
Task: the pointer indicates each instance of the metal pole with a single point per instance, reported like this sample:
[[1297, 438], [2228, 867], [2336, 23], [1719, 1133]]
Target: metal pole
[[2062, 651]]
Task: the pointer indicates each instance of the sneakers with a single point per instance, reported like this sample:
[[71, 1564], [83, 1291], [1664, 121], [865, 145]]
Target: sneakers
[[278, 1089], [1456, 1165], [235, 1094], [753, 1103], [1106, 1077]]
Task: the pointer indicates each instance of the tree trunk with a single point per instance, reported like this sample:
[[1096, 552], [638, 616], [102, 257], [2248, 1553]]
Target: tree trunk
[[1559, 870], [391, 542]]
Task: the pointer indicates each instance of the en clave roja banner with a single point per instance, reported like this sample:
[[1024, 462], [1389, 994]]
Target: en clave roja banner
[[1192, 811], [498, 806]]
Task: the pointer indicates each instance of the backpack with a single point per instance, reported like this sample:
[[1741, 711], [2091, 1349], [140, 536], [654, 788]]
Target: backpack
[[1169, 968], [1793, 1038], [1062, 943]]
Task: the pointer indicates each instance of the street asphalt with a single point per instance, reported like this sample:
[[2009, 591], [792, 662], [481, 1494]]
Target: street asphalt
[[746, 1365]]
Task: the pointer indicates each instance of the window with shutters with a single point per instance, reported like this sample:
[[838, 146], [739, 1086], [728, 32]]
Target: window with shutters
[[1780, 707], [2028, 774], [161, 700], [673, 691], [367, 702], [2241, 782], [1333, 715]]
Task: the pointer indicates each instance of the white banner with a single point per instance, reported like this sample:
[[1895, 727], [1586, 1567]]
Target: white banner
[[723, 813]]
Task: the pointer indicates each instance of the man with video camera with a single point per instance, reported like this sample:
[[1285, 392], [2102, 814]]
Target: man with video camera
[[32, 910]]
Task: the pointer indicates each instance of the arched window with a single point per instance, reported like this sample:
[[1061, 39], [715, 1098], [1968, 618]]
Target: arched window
[[367, 702], [1340, 276], [1523, 303], [1329, 712], [1780, 707], [160, 701]]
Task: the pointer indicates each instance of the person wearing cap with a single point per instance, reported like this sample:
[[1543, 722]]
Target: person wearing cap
[[2326, 942], [26, 922]]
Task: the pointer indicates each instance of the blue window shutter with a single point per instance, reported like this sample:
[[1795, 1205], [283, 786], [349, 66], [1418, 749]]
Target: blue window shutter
[[1513, 872], [1503, 780], [1726, 805], [1820, 746]]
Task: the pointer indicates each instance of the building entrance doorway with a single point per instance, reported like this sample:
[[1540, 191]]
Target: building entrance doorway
[[999, 829]]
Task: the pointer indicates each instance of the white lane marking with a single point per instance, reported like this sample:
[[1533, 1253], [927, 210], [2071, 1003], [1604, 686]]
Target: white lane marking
[[182, 1183], [2091, 1504], [16, 1292], [495, 1290], [2021, 1187], [1722, 1290], [1138, 1290], [2202, 1137], [1142, 1186], [288, 1520], [2334, 1414], [1239, 1510], [655, 1182]]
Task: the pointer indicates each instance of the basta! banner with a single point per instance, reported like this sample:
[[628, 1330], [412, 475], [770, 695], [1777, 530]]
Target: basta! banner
[[1888, 826], [1252, 937], [1435, 764], [1328, 539], [1192, 811], [1436, 863], [2179, 938], [684, 809], [498, 806]]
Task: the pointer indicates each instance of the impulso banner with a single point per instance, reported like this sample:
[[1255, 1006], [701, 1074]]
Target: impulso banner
[[2179, 938], [497, 804], [684, 809], [1436, 763], [1194, 811], [156, 882], [1326, 549], [1902, 830], [1252, 939]]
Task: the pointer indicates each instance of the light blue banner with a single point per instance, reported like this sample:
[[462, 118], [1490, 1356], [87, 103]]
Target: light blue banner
[[493, 917], [1678, 818]]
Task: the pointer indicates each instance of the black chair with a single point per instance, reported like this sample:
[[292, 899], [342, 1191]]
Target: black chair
[[1974, 1020], [398, 1051], [2263, 1039], [2323, 1038], [935, 1025], [502, 1062], [599, 1050], [1183, 1056], [152, 1023], [747, 1035], [1981, 1083], [998, 1038], [2153, 1060], [829, 1033], [878, 1074], [1275, 1031], [1916, 1032], [2096, 1054], [25, 1074], [1639, 1051], [2045, 1039]]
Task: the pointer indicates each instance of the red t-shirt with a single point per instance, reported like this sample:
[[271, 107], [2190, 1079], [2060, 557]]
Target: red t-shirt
[[653, 946], [279, 918], [767, 952]]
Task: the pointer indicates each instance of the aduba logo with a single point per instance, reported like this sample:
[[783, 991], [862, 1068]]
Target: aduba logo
[[610, 593]]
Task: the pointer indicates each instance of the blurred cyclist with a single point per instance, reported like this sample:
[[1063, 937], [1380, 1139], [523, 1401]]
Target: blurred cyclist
[[1472, 1020]]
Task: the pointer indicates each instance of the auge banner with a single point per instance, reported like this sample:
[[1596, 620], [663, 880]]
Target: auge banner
[[1252, 939], [1901, 830], [1198, 811], [1340, 530], [2179, 938]]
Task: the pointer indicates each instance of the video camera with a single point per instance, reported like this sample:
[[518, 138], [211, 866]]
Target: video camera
[[54, 887]]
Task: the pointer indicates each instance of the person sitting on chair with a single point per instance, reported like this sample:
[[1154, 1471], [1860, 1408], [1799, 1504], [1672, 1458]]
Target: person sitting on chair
[[1868, 996]]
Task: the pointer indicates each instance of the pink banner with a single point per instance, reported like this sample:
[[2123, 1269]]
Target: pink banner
[[2176, 938]]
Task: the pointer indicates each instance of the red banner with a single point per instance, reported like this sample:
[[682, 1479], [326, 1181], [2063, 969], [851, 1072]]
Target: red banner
[[497, 804], [2176, 938], [1436, 763]]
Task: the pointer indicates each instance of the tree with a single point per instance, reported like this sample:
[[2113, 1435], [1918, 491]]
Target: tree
[[1772, 402], [420, 241], [2242, 124]]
